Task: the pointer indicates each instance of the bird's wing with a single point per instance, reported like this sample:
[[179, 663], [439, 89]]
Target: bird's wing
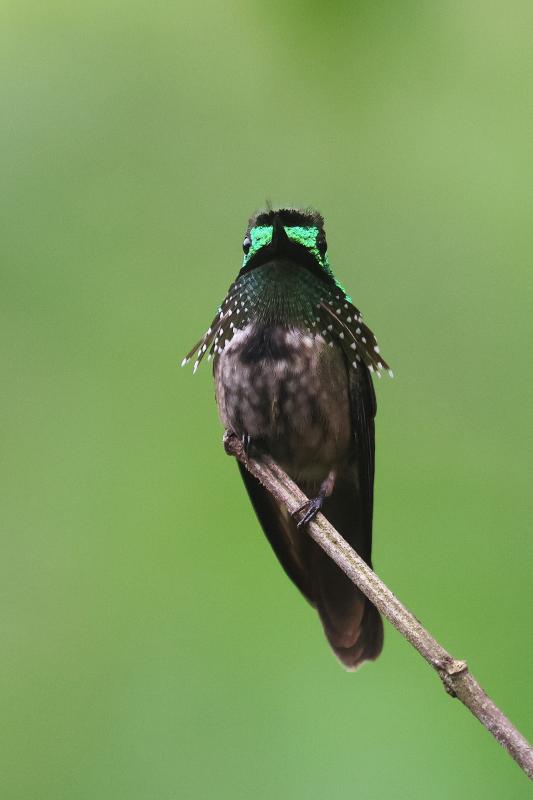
[[289, 544], [363, 408], [352, 624]]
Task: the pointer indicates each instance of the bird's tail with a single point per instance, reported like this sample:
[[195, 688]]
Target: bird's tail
[[352, 624]]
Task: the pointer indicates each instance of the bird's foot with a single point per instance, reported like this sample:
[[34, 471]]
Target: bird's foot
[[230, 438], [308, 510], [246, 440]]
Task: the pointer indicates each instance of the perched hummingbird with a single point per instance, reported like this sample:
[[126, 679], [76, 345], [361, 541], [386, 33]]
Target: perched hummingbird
[[292, 362]]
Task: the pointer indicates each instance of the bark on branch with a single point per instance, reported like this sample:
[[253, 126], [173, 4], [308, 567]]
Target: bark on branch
[[457, 679]]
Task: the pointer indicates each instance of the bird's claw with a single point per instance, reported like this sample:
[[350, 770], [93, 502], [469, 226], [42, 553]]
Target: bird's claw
[[246, 440], [309, 510]]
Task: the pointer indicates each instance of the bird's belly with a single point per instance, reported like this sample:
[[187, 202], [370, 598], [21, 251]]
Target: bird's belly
[[291, 398]]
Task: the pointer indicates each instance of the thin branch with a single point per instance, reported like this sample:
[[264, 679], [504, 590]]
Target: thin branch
[[457, 679]]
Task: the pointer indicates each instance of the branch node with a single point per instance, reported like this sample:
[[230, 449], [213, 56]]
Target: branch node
[[456, 667]]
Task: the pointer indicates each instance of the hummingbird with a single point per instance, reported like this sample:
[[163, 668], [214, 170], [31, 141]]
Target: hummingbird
[[293, 364]]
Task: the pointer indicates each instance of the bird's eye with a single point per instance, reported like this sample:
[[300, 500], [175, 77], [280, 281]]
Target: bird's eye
[[321, 244], [246, 245]]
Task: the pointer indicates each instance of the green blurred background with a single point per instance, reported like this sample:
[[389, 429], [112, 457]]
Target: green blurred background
[[151, 645]]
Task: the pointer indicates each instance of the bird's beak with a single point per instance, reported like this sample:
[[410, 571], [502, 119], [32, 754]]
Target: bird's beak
[[279, 238], [279, 248]]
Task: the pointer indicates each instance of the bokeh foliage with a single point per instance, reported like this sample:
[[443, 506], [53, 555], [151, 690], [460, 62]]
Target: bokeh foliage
[[151, 645]]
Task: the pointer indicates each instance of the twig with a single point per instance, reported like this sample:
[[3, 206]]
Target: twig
[[457, 679]]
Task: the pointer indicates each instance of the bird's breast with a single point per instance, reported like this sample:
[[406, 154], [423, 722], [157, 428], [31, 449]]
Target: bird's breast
[[287, 390]]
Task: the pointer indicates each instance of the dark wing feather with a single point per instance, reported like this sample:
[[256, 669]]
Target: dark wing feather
[[352, 624], [288, 543], [363, 408]]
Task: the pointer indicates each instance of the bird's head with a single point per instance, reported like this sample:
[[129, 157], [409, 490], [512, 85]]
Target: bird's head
[[286, 234], [290, 239]]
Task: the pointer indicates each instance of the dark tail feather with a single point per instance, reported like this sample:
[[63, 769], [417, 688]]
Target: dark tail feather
[[351, 623], [368, 642]]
